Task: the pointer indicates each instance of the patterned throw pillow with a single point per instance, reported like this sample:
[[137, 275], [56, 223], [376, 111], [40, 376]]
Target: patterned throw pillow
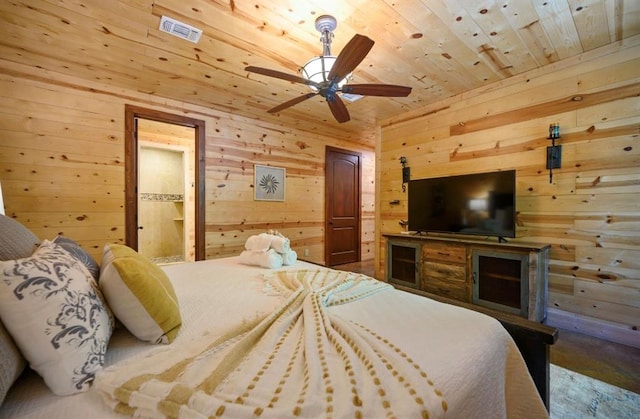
[[79, 253], [140, 294], [55, 312]]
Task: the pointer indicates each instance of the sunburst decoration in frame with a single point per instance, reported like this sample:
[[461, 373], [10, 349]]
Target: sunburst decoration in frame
[[269, 183]]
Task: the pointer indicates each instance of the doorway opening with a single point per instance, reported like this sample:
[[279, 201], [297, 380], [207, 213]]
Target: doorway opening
[[165, 198], [192, 207]]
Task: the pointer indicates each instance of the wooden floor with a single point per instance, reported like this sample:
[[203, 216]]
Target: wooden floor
[[606, 361]]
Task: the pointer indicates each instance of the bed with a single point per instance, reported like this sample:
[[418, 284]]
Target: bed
[[298, 341]]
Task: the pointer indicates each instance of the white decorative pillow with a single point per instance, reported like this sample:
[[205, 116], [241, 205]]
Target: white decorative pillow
[[140, 294], [53, 309]]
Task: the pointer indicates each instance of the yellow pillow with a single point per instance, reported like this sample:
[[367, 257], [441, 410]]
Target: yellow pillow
[[139, 294]]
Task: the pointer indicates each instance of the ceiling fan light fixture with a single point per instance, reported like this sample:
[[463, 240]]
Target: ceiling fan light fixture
[[317, 69], [323, 73]]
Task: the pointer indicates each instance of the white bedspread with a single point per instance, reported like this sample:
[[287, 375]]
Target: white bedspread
[[471, 363]]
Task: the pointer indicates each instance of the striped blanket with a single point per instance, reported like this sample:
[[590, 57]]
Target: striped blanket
[[301, 360]]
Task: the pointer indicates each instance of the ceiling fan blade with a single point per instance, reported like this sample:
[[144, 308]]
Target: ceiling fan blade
[[280, 75], [338, 109], [389, 90], [351, 55], [291, 102]]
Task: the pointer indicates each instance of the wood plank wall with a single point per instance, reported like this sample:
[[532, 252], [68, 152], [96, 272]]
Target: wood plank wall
[[62, 166], [590, 213]]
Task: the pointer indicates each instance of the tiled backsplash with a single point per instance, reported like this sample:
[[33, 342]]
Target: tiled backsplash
[[165, 197]]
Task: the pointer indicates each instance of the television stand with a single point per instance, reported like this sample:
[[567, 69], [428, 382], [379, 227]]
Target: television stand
[[502, 240], [511, 277]]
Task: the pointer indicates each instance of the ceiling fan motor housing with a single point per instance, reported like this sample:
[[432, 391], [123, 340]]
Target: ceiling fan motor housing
[[325, 24]]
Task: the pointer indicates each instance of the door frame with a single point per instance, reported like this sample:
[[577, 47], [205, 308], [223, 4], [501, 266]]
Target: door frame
[[327, 196], [131, 172]]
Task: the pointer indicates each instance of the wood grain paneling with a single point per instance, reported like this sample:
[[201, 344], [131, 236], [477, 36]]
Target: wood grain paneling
[[590, 213], [62, 167], [439, 48], [494, 74]]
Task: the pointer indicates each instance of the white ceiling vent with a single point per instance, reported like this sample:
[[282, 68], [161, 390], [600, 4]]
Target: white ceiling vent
[[350, 97], [179, 29]]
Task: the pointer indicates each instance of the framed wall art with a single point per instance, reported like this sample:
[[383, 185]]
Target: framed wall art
[[269, 183]]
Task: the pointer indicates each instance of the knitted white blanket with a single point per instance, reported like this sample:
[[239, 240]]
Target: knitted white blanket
[[299, 361]]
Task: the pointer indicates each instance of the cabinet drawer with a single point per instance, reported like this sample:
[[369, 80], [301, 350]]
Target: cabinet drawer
[[453, 289], [444, 272], [445, 279], [447, 253]]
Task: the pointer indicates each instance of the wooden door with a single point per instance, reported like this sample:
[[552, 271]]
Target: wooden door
[[342, 213]]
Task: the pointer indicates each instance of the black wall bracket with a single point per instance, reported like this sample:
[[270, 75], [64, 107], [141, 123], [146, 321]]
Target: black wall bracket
[[406, 173], [554, 157]]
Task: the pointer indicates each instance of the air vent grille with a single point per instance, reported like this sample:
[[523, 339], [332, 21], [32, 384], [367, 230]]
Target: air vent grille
[[179, 29], [350, 97]]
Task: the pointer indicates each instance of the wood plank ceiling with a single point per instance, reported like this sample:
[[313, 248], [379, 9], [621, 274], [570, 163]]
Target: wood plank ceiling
[[440, 48]]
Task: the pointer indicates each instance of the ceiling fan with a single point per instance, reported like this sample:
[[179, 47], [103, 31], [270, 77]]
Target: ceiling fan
[[333, 72]]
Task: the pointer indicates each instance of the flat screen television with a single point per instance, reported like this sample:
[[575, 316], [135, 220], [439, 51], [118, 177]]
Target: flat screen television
[[475, 204]]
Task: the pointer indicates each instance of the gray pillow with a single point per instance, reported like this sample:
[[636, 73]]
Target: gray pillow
[[79, 253], [16, 241], [11, 362]]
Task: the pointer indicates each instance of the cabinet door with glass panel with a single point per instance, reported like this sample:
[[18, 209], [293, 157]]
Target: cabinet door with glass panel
[[403, 263]]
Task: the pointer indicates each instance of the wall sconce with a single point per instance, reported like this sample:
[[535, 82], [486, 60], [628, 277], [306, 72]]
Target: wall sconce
[[554, 153], [406, 173]]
